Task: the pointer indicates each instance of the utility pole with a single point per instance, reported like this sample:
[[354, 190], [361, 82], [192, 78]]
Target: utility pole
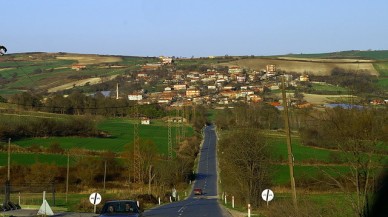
[[289, 148], [183, 130], [8, 182], [104, 175], [169, 139], [117, 91], [136, 146], [9, 160], [67, 174], [177, 129]]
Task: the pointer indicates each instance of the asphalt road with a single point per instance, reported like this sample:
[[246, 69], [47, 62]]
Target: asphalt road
[[206, 204], [194, 206]]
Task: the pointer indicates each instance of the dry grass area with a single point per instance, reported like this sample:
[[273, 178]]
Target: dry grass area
[[310, 66], [78, 83], [90, 59], [323, 99]]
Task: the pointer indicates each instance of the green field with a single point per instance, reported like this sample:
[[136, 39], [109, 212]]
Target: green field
[[281, 173], [31, 158], [301, 153], [121, 131], [329, 88]]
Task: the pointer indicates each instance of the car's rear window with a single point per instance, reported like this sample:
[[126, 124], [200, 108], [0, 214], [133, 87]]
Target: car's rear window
[[120, 207]]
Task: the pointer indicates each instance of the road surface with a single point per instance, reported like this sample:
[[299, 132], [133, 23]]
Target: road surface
[[207, 204]]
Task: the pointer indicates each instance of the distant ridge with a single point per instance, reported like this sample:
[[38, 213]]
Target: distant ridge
[[351, 54]]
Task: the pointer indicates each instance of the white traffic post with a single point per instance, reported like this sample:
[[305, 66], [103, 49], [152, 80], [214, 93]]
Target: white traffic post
[[225, 199], [232, 201], [159, 200], [249, 210], [267, 195], [170, 200], [95, 199]]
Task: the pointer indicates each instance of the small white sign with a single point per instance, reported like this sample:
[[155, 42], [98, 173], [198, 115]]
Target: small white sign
[[267, 195], [95, 198]]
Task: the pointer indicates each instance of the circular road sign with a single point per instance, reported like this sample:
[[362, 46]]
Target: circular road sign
[[95, 198], [267, 195]]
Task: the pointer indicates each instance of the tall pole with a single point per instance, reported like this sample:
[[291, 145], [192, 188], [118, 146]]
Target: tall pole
[[9, 160], [7, 192], [67, 174], [289, 148], [169, 139], [117, 91], [104, 175]]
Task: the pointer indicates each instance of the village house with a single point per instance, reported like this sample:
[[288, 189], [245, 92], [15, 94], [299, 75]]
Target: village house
[[142, 75], [145, 121], [78, 67], [304, 78], [228, 93], [135, 97], [193, 92], [254, 98], [241, 78], [180, 87], [166, 60], [235, 70]]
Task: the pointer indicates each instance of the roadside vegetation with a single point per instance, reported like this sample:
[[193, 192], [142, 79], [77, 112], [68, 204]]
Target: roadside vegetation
[[336, 151], [93, 143]]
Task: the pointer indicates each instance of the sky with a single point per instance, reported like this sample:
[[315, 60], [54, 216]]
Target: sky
[[199, 28]]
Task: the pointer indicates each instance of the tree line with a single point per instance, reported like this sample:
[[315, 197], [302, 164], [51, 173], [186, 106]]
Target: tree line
[[16, 127]]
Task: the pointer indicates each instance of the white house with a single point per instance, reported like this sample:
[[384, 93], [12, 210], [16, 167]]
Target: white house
[[145, 121], [135, 97]]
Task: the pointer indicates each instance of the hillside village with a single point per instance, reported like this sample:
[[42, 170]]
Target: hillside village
[[212, 87]]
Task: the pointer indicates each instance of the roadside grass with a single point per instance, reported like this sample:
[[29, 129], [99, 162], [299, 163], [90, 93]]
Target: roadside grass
[[322, 201], [34, 200]]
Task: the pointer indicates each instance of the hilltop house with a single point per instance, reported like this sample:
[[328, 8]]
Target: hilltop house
[[78, 67]]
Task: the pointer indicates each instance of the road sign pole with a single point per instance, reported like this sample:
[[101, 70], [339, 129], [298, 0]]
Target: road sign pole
[[95, 199]]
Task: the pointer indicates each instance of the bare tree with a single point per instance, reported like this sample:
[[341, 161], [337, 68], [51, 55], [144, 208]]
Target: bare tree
[[358, 134], [245, 164]]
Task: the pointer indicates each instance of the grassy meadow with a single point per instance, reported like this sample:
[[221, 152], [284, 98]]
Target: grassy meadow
[[120, 133]]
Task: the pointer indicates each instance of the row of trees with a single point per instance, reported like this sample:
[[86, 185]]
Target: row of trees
[[359, 82], [262, 116], [15, 126]]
